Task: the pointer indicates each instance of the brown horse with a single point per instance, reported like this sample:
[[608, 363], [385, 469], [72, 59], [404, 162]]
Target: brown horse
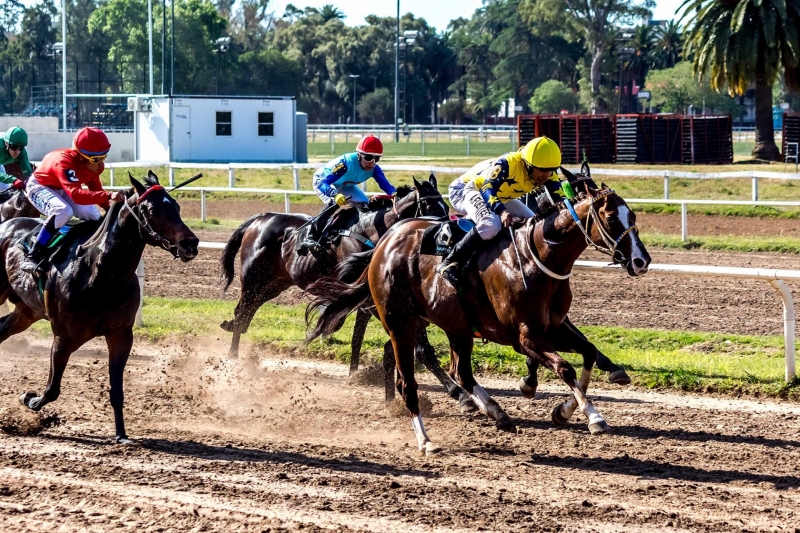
[[270, 263], [90, 288], [516, 292], [15, 204]]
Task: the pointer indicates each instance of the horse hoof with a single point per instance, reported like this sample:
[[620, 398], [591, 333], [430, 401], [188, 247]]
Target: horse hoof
[[431, 448], [468, 406], [527, 390], [227, 326], [233, 355], [556, 416], [123, 440], [504, 423], [599, 427], [26, 397], [619, 377]]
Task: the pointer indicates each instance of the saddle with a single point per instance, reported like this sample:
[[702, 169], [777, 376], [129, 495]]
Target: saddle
[[439, 239], [336, 228], [64, 238]]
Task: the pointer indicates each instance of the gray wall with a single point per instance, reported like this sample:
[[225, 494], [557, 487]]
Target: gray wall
[[40, 144]]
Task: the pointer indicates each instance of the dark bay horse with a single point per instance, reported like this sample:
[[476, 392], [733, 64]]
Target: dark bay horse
[[15, 204], [516, 293], [91, 289]]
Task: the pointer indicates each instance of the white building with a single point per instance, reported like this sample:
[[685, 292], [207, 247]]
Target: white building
[[218, 129]]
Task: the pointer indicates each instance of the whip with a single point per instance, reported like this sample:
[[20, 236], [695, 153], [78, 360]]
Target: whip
[[519, 261]]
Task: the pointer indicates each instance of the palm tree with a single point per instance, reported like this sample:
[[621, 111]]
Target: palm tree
[[738, 42], [667, 44], [639, 62], [330, 12]]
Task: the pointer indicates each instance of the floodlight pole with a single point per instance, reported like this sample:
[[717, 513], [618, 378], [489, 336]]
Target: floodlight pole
[[354, 76], [64, 64], [150, 40], [172, 50], [397, 75], [163, 43]]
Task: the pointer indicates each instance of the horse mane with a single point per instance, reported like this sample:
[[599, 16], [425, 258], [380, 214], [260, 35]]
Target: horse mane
[[404, 190]]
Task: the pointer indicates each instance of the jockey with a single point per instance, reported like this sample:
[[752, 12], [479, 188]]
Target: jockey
[[337, 182], [56, 188], [13, 151], [488, 194]]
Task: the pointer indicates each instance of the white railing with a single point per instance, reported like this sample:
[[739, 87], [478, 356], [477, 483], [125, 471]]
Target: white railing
[[776, 278]]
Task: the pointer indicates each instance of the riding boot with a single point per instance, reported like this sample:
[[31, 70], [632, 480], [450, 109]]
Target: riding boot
[[450, 266], [317, 225], [33, 262]]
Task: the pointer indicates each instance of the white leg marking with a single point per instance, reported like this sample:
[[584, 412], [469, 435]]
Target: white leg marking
[[586, 407], [481, 398], [419, 431]]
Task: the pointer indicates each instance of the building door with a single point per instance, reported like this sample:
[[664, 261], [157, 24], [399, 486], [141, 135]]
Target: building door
[[181, 134]]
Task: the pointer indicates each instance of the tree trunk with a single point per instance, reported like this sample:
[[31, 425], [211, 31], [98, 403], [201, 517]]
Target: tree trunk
[[765, 135], [598, 105]]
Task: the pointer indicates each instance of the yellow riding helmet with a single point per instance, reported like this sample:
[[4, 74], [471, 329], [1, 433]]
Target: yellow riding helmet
[[543, 153]]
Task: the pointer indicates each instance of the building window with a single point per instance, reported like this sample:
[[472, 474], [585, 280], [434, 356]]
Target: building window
[[223, 123], [266, 123]]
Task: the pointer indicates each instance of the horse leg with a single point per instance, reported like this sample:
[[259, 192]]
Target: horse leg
[[583, 346], [60, 352], [119, 348], [461, 371], [529, 383], [254, 295], [426, 355], [389, 365], [359, 329], [17, 321], [539, 348]]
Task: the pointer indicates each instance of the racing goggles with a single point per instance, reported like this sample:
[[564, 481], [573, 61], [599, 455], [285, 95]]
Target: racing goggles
[[94, 158], [15, 147], [369, 157]]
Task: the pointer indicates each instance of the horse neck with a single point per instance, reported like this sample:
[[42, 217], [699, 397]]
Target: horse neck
[[117, 256], [560, 248], [374, 225]]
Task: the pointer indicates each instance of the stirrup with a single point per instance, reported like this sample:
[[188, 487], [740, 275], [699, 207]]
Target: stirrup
[[449, 272], [311, 244]]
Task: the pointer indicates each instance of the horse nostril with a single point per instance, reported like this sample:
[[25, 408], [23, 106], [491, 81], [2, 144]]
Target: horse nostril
[[639, 263], [189, 244]]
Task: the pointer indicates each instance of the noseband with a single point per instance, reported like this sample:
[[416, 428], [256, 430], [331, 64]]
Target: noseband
[[145, 224], [421, 201], [611, 244]]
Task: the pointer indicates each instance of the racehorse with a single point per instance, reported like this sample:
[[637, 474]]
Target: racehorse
[[575, 341], [90, 288], [515, 292], [15, 204], [270, 262]]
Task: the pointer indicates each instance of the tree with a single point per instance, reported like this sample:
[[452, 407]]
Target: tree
[[674, 90], [597, 22], [667, 45], [739, 42], [377, 107], [552, 96]]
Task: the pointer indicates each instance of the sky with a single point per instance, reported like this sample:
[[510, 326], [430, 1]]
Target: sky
[[438, 13]]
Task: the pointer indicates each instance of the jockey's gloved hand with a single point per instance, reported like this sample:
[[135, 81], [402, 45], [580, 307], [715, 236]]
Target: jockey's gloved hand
[[340, 199], [18, 184]]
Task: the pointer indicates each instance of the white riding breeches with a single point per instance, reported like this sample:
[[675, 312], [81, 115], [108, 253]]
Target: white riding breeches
[[58, 203], [467, 200]]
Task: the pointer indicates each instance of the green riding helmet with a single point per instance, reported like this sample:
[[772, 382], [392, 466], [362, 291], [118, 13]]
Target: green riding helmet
[[16, 135]]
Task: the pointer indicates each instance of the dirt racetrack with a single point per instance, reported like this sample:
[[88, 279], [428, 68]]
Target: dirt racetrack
[[271, 444]]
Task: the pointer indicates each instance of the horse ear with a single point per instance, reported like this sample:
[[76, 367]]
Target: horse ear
[[604, 186], [417, 184], [136, 184], [585, 169], [567, 174], [153, 178], [432, 180]]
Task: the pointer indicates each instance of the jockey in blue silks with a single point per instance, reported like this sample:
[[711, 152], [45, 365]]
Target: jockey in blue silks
[[337, 183]]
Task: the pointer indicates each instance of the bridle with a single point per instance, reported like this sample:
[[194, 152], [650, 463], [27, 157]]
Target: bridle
[[145, 224], [611, 243], [422, 201]]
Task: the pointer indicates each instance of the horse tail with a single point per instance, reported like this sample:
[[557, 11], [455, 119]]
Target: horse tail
[[231, 249], [353, 266], [333, 301]]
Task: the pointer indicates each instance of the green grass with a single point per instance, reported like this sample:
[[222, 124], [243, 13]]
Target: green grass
[[728, 243], [732, 364]]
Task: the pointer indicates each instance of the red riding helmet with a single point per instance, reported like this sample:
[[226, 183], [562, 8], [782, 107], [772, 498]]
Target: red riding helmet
[[91, 142], [370, 145]]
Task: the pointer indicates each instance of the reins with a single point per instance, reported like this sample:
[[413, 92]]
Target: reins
[[611, 244], [145, 224]]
